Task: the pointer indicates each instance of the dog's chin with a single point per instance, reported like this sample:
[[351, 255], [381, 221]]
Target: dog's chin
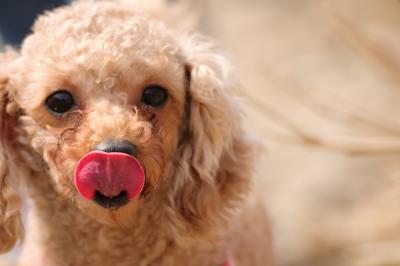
[[122, 216]]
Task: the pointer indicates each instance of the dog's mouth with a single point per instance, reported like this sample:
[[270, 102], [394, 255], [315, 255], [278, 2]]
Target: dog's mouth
[[110, 179], [111, 202]]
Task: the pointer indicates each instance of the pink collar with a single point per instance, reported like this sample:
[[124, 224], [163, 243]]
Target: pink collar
[[229, 262]]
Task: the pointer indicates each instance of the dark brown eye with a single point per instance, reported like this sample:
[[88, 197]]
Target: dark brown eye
[[60, 102], [155, 96]]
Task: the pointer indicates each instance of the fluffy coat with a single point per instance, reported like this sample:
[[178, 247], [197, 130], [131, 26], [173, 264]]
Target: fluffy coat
[[197, 207]]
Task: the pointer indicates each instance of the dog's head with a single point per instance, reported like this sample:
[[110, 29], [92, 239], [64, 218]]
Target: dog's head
[[117, 110]]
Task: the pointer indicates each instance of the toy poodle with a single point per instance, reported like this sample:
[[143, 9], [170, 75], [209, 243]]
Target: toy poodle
[[122, 130]]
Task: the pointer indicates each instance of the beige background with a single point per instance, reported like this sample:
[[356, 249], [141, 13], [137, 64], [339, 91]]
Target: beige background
[[322, 78], [321, 89]]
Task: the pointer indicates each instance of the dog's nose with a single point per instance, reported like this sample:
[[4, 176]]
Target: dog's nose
[[117, 145], [120, 196]]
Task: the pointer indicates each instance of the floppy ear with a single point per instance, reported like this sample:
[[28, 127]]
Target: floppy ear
[[10, 220], [217, 157]]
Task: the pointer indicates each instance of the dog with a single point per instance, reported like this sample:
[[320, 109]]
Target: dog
[[124, 133]]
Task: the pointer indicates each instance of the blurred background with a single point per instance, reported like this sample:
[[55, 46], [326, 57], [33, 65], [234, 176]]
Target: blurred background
[[321, 87]]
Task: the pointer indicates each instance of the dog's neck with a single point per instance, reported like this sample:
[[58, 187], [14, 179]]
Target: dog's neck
[[58, 233]]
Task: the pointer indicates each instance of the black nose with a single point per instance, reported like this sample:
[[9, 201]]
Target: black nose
[[117, 145]]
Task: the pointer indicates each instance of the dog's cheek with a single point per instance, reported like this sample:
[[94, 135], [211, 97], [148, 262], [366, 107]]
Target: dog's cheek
[[151, 157], [60, 170], [34, 142]]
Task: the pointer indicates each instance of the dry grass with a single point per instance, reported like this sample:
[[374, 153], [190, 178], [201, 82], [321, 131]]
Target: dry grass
[[322, 84], [322, 81]]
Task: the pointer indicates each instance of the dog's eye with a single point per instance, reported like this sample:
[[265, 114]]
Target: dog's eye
[[154, 95], [60, 102]]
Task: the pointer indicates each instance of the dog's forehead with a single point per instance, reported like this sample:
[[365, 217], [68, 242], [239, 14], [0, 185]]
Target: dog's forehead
[[100, 32], [97, 46]]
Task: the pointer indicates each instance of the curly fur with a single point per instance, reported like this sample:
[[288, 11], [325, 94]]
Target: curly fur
[[10, 220], [196, 206]]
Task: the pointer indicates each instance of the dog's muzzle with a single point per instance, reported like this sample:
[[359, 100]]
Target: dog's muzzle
[[110, 175]]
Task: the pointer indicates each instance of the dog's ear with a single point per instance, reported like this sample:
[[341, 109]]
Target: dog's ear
[[10, 220], [216, 158]]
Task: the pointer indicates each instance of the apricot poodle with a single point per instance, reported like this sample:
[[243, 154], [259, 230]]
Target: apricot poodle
[[121, 128]]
